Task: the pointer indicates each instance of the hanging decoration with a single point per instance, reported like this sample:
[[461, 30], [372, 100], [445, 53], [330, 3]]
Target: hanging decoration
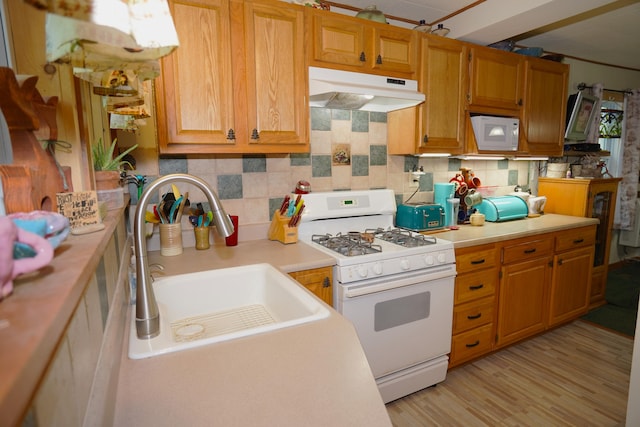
[[103, 37]]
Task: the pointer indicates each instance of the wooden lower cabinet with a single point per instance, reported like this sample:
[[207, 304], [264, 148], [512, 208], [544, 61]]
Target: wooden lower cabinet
[[514, 289], [523, 296], [317, 280], [572, 278], [474, 302]]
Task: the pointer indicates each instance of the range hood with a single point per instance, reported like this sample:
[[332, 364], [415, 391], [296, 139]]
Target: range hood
[[346, 90]]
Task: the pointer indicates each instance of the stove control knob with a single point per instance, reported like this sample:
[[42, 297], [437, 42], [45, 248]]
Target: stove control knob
[[377, 268], [404, 264], [428, 259], [362, 271], [442, 258]]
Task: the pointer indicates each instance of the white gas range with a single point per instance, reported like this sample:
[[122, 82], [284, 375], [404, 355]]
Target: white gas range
[[394, 285]]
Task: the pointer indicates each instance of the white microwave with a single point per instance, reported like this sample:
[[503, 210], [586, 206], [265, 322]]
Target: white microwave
[[496, 133]]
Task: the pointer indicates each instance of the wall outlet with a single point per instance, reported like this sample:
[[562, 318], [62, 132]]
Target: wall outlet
[[414, 179]]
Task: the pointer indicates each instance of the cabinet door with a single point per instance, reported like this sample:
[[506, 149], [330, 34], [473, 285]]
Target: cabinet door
[[318, 280], [545, 107], [194, 93], [394, 50], [523, 300], [570, 285], [276, 83], [444, 78], [337, 40], [497, 79]]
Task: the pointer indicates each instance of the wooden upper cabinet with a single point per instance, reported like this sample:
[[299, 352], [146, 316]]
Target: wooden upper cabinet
[[354, 44], [545, 107], [395, 50], [444, 79], [437, 125], [239, 68], [276, 78], [194, 93], [497, 81]]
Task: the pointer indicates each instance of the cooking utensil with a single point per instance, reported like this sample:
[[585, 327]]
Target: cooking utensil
[[174, 208], [150, 217], [183, 202], [176, 191], [161, 213]]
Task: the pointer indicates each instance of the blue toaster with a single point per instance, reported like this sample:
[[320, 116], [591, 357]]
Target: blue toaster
[[420, 216]]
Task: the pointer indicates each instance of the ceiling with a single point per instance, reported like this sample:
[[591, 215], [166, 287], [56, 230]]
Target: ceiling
[[600, 31]]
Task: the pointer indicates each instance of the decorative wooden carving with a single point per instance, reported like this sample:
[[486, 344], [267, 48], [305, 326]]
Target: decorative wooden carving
[[26, 113]]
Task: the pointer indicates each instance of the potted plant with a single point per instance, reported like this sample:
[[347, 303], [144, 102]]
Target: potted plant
[[107, 168]]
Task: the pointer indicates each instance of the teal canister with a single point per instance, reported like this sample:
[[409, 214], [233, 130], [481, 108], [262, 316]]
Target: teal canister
[[441, 192]]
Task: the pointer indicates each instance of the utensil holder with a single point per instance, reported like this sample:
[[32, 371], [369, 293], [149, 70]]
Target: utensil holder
[[280, 230], [170, 239], [202, 237]]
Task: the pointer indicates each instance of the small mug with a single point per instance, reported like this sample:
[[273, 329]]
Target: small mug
[[472, 198], [10, 268]]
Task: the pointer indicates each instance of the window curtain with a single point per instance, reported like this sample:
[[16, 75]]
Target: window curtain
[[630, 163]]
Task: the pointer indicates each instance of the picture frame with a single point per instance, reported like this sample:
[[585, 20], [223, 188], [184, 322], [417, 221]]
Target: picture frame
[[582, 109]]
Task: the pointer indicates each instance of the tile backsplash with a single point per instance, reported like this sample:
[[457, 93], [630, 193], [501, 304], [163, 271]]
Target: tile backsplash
[[348, 151]]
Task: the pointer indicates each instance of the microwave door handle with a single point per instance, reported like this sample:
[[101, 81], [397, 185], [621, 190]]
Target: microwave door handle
[[425, 216]]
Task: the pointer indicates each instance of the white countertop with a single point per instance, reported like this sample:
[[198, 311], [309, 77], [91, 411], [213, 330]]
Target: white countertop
[[314, 374], [490, 232]]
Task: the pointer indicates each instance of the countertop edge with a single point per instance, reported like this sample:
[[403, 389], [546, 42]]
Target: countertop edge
[[38, 312]]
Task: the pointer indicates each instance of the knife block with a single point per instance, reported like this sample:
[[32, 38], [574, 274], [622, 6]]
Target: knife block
[[279, 229]]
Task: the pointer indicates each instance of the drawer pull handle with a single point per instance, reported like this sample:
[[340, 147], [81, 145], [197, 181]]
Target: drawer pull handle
[[575, 242], [530, 251], [479, 261], [474, 317], [473, 345], [476, 287]]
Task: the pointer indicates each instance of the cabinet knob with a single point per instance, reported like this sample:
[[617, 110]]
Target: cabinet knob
[[425, 139], [520, 102], [363, 58], [379, 60], [231, 135], [255, 134], [326, 282]]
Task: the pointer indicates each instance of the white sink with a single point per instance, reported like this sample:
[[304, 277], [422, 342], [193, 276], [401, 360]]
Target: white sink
[[207, 307]]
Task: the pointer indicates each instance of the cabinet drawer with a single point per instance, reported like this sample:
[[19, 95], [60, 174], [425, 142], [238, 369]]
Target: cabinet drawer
[[473, 314], [476, 258], [477, 285], [569, 239], [471, 344], [526, 250]]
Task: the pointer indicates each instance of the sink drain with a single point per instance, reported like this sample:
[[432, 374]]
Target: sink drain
[[189, 332], [220, 323]]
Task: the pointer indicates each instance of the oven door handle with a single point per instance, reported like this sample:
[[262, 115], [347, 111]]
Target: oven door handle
[[394, 284]]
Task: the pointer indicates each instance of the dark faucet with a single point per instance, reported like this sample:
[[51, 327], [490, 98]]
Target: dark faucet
[[147, 315]]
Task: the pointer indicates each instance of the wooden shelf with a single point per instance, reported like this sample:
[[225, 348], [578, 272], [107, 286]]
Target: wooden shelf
[[601, 153]]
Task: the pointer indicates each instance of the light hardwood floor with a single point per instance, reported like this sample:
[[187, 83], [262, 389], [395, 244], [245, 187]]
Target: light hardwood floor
[[576, 375]]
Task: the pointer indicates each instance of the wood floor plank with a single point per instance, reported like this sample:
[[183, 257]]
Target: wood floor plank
[[575, 375]]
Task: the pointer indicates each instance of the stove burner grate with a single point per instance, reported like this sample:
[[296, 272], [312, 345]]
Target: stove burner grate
[[350, 244], [402, 237]]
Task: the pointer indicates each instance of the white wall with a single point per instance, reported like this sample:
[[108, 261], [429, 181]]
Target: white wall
[[610, 77]]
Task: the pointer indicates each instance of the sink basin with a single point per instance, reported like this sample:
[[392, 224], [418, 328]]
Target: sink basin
[[207, 307]]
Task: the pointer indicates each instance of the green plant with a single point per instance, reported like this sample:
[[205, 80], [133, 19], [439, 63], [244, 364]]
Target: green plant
[[103, 159]]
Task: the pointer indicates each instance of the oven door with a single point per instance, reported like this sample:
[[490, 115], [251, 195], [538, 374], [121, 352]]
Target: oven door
[[403, 321]]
